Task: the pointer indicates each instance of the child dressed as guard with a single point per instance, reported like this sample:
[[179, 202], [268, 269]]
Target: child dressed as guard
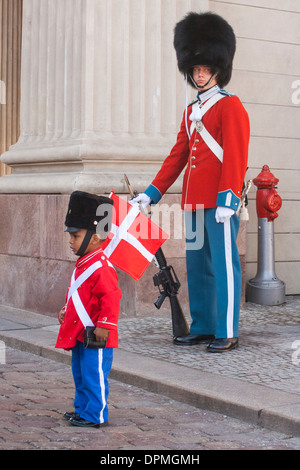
[[93, 300]]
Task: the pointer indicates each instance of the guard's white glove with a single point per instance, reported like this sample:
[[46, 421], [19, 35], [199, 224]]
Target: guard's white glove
[[223, 213], [142, 199]]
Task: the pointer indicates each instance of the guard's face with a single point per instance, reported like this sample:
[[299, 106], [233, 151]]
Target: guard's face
[[201, 75], [76, 240]]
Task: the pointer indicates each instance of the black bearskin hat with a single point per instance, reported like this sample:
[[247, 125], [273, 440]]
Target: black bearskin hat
[[205, 39], [82, 212]]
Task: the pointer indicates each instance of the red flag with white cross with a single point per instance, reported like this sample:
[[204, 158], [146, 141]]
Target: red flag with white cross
[[133, 240]]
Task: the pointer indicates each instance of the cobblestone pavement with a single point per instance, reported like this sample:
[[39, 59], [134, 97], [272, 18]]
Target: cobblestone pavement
[[36, 391], [266, 356]]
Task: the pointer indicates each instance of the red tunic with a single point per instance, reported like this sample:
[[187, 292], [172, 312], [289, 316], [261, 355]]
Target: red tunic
[[207, 181], [100, 296]]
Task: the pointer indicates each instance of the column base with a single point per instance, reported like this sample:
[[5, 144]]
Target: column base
[[86, 163], [98, 182]]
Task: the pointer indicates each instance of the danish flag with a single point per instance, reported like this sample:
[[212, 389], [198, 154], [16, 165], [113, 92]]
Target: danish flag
[[133, 240]]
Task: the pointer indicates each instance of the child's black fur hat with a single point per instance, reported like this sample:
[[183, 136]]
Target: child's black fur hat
[[205, 39], [82, 211]]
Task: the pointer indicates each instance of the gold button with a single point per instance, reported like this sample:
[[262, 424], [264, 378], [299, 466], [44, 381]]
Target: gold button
[[194, 148], [197, 141], [193, 166], [193, 158]]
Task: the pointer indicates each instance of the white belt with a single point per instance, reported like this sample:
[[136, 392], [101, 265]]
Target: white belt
[[196, 117], [73, 292]]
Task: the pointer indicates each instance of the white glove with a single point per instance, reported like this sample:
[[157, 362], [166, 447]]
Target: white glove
[[223, 213], [142, 199]]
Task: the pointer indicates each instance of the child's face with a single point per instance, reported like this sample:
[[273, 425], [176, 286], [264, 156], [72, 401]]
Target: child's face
[[77, 238]]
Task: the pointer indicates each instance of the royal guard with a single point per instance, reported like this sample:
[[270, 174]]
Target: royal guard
[[212, 147]]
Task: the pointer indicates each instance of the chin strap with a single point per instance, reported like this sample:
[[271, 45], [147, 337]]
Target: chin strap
[[199, 87], [85, 243]]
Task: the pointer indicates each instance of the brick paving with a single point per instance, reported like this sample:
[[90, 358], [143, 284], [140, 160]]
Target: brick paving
[[35, 392]]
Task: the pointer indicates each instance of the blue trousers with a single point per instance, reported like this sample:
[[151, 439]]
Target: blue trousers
[[214, 275], [91, 368]]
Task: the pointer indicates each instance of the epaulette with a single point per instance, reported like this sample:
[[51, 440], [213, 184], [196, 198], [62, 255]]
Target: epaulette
[[226, 93]]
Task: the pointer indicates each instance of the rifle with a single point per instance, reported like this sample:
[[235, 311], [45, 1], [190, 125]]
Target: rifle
[[168, 286]]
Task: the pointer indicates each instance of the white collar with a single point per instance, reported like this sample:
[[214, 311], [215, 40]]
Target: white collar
[[202, 97], [87, 257]]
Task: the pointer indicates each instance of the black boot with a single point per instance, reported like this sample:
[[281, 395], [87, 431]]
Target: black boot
[[223, 344], [190, 340]]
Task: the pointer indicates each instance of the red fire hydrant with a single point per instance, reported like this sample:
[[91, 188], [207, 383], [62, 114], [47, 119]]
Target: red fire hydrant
[[266, 288], [268, 201]]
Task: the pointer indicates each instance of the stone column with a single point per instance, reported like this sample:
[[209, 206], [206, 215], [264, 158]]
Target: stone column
[[101, 94], [10, 67]]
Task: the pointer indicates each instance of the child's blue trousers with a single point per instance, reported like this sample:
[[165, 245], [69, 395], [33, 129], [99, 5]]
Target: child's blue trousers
[[91, 368], [214, 275]]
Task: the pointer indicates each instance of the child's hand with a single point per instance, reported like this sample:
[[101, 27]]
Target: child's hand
[[61, 315], [101, 333]]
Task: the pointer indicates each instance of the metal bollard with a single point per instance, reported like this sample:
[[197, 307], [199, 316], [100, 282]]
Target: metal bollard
[[265, 288]]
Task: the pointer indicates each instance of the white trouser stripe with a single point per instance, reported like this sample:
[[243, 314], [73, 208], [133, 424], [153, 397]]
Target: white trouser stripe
[[101, 383], [230, 279]]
